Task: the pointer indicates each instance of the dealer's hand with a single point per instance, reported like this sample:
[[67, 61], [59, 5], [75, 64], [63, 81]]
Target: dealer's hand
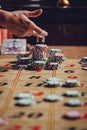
[[19, 24]]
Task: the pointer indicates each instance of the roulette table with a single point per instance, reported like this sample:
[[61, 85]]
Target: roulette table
[[42, 115]]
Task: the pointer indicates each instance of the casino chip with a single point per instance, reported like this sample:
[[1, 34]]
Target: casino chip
[[25, 99], [38, 52], [53, 98], [42, 46], [83, 60], [72, 93], [25, 95], [85, 68], [72, 82], [74, 102], [53, 81], [55, 59], [72, 115], [83, 63], [23, 61], [25, 102], [38, 65], [54, 51], [52, 65]]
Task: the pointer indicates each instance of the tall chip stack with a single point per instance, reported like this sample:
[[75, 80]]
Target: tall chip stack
[[39, 54], [83, 63], [55, 59]]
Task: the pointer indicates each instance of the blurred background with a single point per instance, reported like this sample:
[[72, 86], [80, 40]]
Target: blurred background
[[65, 20]]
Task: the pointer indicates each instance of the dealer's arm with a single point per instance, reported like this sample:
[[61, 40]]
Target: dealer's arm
[[19, 24]]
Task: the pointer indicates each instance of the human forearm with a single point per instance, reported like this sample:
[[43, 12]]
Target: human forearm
[[19, 23]]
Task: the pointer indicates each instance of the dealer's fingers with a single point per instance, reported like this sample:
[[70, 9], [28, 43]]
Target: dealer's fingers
[[35, 13], [38, 31]]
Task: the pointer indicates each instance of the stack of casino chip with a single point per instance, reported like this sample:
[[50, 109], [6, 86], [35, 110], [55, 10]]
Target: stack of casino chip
[[53, 81], [38, 65], [53, 98], [74, 102], [83, 60], [73, 93], [23, 60], [73, 115], [83, 63], [52, 65], [25, 99], [38, 57], [38, 52], [72, 83], [55, 58]]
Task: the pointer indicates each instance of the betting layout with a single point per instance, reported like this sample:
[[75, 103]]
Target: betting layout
[[41, 95]]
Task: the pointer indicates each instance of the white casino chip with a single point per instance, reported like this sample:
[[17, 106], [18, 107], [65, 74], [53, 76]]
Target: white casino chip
[[73, 114], [53, 97], [74, 102], [25, 95], [26, 102], [72, 93]]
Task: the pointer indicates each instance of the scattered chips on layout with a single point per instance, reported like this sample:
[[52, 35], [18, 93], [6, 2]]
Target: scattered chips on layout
[[38, 102]]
